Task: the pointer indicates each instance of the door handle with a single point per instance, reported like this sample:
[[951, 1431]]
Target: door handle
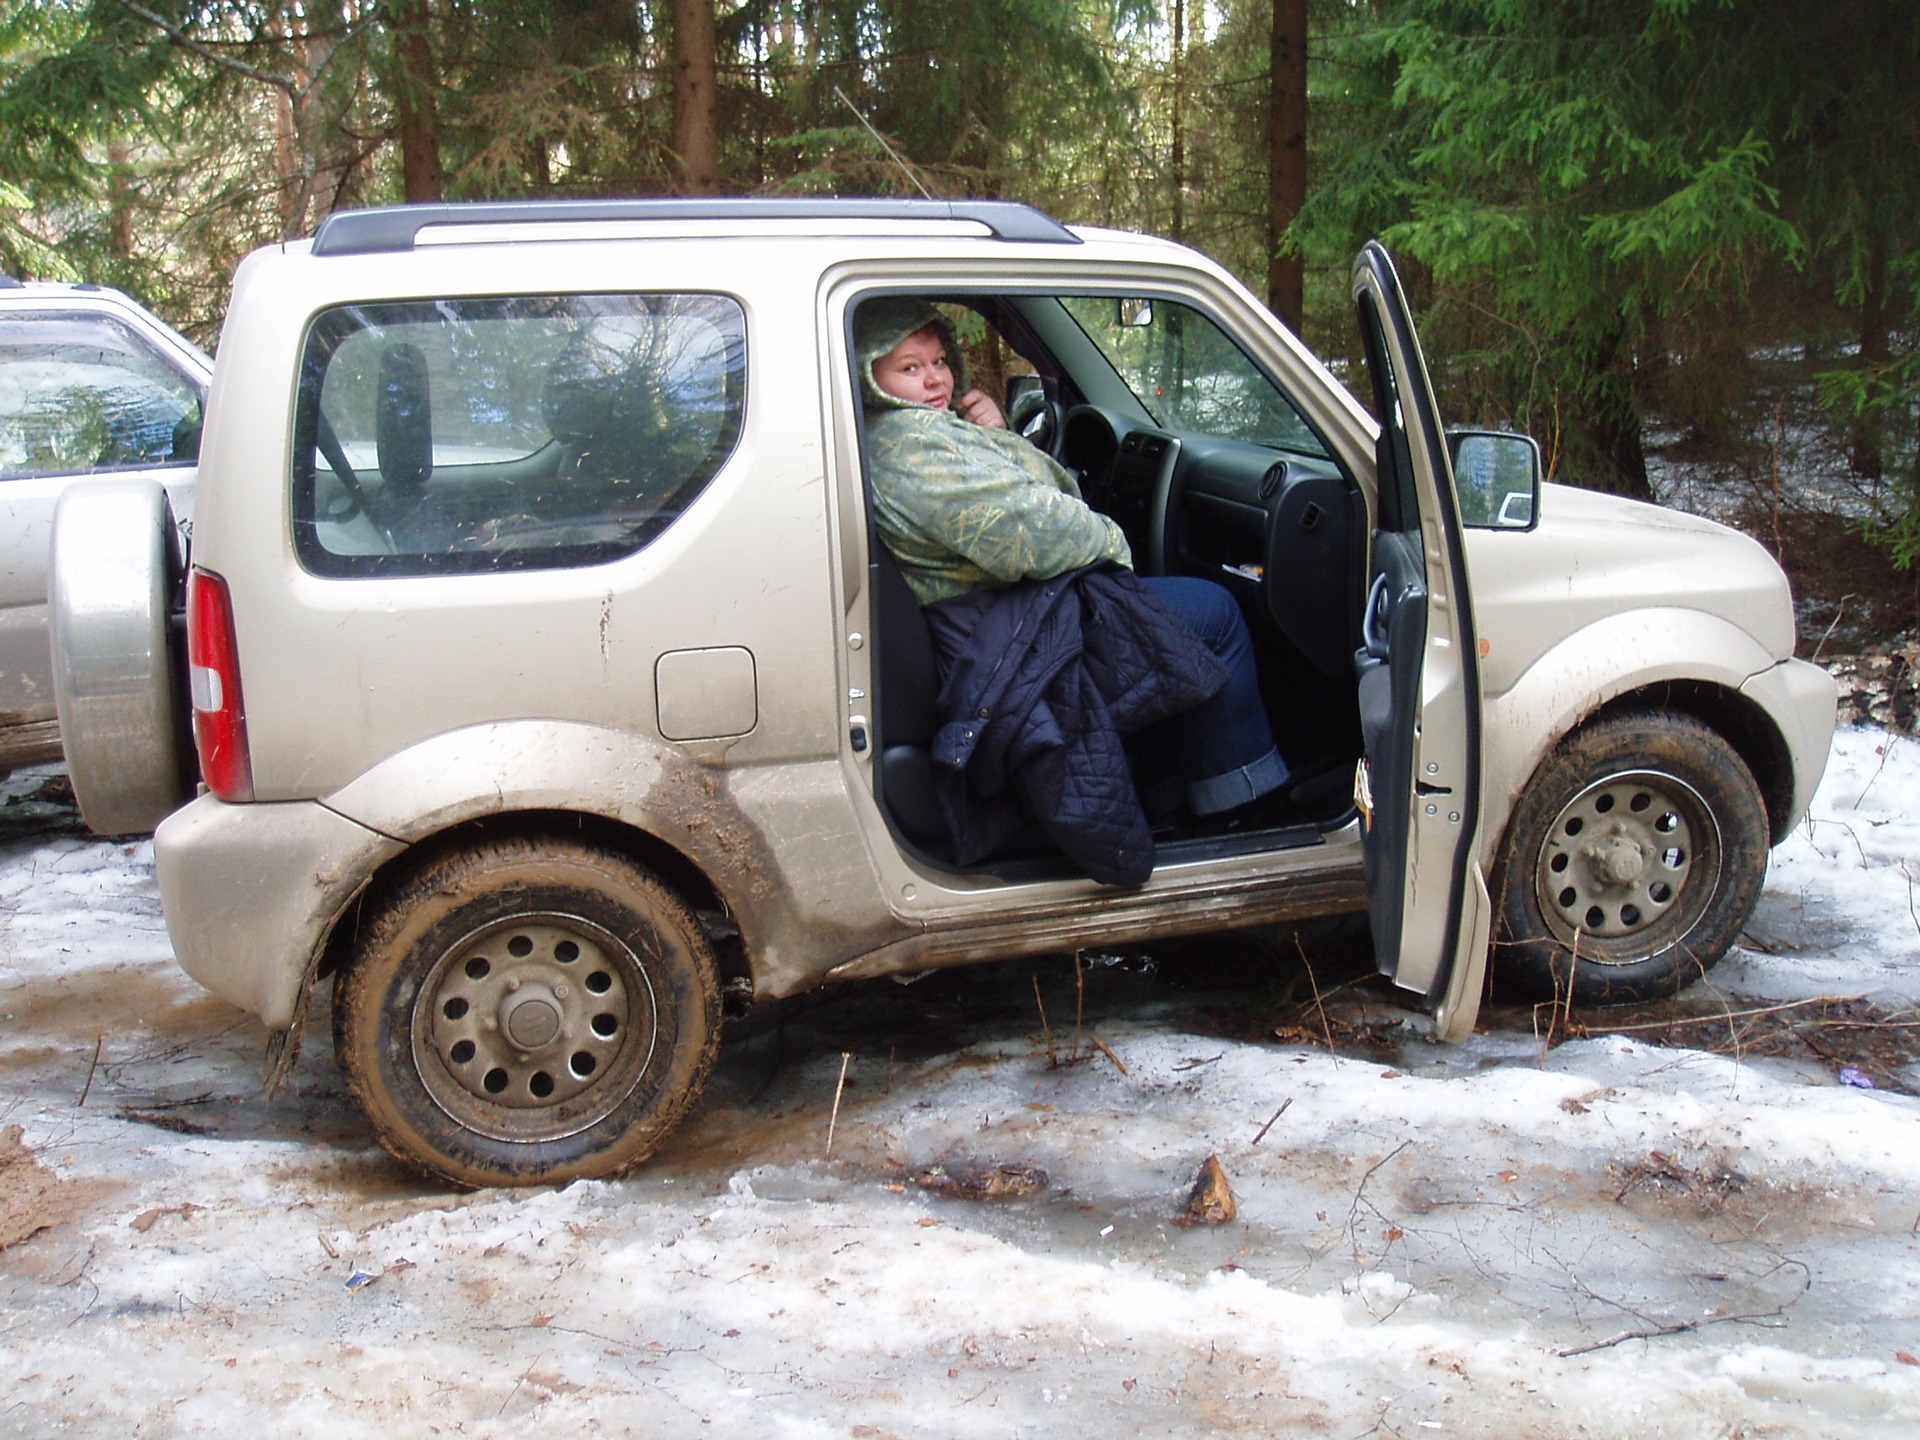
[[1374, 619]]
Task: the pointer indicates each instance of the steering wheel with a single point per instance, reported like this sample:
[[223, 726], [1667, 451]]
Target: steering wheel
[[1037, 420]]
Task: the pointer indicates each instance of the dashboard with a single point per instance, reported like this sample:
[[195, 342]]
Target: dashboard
[[1285, 531]]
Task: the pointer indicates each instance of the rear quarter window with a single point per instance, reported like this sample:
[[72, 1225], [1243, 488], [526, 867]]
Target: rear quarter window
[[461, 435]]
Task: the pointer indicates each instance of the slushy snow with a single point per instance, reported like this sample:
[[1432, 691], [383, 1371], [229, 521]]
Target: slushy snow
[[1603, 1237]]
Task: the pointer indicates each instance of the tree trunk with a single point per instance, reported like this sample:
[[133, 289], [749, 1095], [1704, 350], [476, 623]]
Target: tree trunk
[[1178, 160], [1286, 157], [421, 177], [1866, 450], [296, 179], [695, 134], [120, 199], [1614, 421]]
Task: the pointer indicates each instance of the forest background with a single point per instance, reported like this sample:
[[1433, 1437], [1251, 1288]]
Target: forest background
[[1669, 238]]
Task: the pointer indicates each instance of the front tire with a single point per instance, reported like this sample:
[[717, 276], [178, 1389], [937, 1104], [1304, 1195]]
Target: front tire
[[527, 1011], [1633, 859]]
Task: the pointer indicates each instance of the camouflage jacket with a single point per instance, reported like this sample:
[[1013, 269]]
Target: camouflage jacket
[[964, 507]]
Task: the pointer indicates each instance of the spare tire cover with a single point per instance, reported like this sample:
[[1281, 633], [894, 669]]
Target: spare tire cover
[[115, 583]]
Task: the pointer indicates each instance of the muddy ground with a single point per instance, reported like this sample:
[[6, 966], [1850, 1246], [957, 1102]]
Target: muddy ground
[[1678, 1220]]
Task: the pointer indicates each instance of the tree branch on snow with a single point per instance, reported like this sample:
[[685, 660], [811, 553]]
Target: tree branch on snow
[[1770, 1319]]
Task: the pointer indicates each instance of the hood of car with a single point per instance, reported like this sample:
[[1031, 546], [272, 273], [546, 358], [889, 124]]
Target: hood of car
[[1594, 555]]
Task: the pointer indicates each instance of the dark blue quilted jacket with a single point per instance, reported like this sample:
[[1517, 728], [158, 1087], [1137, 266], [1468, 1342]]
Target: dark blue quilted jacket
[[1042, 682]]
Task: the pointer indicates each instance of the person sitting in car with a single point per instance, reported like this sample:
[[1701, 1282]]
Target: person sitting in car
[[971, 511]]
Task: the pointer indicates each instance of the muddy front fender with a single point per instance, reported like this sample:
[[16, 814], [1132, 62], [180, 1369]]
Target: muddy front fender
[[1637, 651]]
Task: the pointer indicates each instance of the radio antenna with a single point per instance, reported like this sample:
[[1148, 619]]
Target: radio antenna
[[881, 140]]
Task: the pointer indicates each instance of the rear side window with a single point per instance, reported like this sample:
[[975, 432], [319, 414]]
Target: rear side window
[[83, 392], [453, 436]]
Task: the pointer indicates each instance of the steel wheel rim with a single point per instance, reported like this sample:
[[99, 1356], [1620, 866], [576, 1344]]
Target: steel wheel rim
[[534, 1027], [1628, 866]]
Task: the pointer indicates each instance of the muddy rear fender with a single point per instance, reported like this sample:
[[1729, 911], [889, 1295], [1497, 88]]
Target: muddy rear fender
[[802, 906]]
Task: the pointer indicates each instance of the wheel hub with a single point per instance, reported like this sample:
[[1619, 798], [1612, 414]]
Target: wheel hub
[[1617, 861], [531, 1021], [1626, 865], [533, 1027]]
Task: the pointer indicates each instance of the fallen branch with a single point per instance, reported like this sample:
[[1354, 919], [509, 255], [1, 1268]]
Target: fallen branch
[[1682, 1327], [1725, 1015], [1359, 1196], [1046, 1030], [1839, 610], [1079, 1001], [1886, 754], [88, 1087], [846, 1059], [1118, 1063], [1773, 1319], [1276, 1115], [1560, 1008], [1325, 1028]]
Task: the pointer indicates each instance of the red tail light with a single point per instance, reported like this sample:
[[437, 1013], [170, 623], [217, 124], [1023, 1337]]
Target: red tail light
[[213, 670]]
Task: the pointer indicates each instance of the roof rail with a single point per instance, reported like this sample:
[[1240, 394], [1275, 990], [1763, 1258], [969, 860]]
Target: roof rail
[[397, 227]]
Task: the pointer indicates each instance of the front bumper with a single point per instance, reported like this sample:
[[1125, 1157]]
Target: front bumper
[[1802, 699], [251, 892]]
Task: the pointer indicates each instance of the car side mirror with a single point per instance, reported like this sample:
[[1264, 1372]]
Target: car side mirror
[[1496, 475]]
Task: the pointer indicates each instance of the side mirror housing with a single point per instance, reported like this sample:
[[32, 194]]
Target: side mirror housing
[[1496, 475]]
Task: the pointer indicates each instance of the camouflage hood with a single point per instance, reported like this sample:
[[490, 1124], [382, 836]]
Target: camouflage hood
[[879, 325]]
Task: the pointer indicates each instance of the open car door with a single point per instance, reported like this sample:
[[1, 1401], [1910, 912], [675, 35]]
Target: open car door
[[1418, 785]]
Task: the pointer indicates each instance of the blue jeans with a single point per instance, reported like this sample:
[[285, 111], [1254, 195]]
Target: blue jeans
[[1223, 748]]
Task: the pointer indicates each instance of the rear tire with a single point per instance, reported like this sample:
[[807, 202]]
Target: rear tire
[[527, 1011], [1633, 859]]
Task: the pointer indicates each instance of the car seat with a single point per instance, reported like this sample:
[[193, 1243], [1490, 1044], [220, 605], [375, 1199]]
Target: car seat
[[906, 713]]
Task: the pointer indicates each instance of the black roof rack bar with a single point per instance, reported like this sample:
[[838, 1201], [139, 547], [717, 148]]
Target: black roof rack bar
[[396, 227]]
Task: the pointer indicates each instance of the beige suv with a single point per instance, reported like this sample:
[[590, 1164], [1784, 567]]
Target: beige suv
[[548, 680]]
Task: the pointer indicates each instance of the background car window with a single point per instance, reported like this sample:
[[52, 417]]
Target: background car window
[[84, 392], [1188, 374], [536, 431]]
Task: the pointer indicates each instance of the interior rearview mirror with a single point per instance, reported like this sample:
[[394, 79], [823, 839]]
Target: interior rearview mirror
[[1133, 312], [1496, 475]]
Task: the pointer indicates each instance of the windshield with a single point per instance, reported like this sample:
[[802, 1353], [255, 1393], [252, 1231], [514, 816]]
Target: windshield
[[1187, 374]]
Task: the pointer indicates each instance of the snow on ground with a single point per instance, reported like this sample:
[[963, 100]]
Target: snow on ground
[[1499, 1239]]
